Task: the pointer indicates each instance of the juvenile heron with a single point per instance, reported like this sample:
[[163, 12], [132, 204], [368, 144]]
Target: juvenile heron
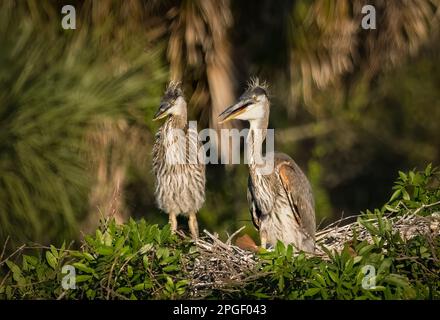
[[281, 201], [179, 171]]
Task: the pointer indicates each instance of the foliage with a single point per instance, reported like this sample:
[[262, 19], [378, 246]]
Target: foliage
[[135, 260], [363, 103], [416, 190], [56, 86], [141, 261]]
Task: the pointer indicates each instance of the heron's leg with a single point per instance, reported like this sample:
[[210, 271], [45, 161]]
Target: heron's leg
[[263, 239], [172, 218], [193, 226]]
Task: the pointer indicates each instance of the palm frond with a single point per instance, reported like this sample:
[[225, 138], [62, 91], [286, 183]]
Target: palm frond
[[55, 87]]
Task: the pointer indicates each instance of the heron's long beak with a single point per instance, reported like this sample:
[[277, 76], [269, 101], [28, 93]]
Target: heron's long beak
[[233, 111], [162, 111]]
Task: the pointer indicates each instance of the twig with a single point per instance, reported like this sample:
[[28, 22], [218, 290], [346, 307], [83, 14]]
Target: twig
[[61, 296], [4, 279], [12, 254], [110, 278], [234, 234], [4, 248], [424, 206]]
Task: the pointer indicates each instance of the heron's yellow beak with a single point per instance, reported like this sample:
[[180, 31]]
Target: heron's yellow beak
[[234, 111], [162, 112]]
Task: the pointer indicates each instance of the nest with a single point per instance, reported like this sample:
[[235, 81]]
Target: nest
[[219, 265], [409, 225], [224, 266]]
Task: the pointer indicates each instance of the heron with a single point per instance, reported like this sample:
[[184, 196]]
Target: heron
[[280, 201], [180, 177]]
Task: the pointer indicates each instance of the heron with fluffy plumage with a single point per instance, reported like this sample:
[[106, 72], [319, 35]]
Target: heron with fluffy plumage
[[180, 174], [281, 202]]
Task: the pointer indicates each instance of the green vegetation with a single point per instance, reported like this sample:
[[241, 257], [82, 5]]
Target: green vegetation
[[58, 89], [350, 106], [137, 260]]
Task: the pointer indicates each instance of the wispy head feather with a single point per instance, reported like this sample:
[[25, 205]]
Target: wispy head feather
[[255, 84], [173, 90]]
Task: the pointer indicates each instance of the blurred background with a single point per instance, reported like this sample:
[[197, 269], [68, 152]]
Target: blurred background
[[351, 106]]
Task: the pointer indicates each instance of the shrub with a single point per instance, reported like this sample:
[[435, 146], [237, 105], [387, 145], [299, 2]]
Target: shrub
[[390, 253]]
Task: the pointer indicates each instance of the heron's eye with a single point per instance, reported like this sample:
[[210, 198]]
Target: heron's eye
[[254, 97]]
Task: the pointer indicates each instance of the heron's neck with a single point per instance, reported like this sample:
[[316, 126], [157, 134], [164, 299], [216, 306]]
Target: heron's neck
[[255, 139], [176, 121]]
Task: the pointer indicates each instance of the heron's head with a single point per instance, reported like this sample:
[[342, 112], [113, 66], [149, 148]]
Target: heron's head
[[172, 103], [253, 104]]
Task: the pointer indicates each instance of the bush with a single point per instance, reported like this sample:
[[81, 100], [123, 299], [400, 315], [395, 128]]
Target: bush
[[390, 253]]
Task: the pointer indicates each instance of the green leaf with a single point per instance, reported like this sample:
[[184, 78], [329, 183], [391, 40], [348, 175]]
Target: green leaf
[[364, 250], [390, 208], [411, 176], [311, 292], [51, 259], [385, 266], [280, 248], [397, 280], [119, 243], [88, 256], [182, 283], [145, 261], [82, 278], [171, 268], [82, 267], [403, 176], [428, 169], [139, 287], [357, 259], [378, 288], [31, 260], [281, 283], [146, 248], [108, 239], [320, 279], [395, 195], [370, 227], [260, 295], [16, 273], [333, 276], [129, 271], [105, 250], [54, 251], [124, 290]]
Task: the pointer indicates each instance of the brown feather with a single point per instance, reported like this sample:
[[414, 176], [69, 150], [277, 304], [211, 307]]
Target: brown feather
[[245, 242]]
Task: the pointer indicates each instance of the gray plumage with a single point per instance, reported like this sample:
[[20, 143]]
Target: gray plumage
[[282, 205], [281, 202], [179, 172]]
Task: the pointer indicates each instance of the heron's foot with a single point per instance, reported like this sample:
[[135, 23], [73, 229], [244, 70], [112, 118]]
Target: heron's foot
[[193, 225], [270, 247], [173, 222]]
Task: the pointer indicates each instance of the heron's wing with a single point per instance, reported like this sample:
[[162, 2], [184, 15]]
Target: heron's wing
[[253, 207], [299, 194], [194, 151], [157, 149]]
